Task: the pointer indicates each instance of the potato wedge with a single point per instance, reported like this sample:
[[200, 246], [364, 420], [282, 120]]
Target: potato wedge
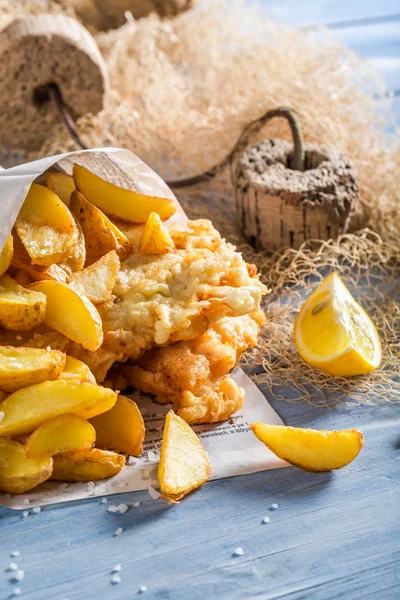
[[28, 408], [310, 449], [71, 313], [127, 205], [101, 235], [96, 282], [21, 309], [61, 184], [184, 465], [19, 474], [46, 227], [22, 260], [6, 255], [86, 465], [77, 259], [52, 340], [77, 371], [121, 428], [22, 277], [61, 434], [20, 367], [155, 237]]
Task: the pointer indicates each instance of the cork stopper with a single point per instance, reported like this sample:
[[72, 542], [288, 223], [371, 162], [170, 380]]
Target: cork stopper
[[279, 207], [36, 51]]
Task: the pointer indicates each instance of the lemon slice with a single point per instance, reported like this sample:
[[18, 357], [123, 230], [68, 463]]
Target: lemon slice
[[334, 334]]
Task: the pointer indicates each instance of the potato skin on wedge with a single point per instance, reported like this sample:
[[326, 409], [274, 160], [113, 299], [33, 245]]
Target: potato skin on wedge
[[184, 464], [19, 474], [21, 309], [86, 465], [20, 367], [28, 408], [96, 282], [61, 184], [155, 237], [6, 255], [121, 428], [60, 434], [311, 449], [127, 205], [46, 227], [71, 313]]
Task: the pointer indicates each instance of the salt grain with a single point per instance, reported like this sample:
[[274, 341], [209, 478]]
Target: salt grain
[[16, 552], [12, 566], [153, 493], [122, 508], [48, 348], [118, 531], [37, 509], [90, 486], [16, 591], [18, 575], [136, 503], [19, 337], [131, 460], [274, 506], [112, 508], [238, 551], [25, 513], [266, 520], [62, 486], [151, 456], [104, 500], [142, 589], [116, 568], [1, 415], [115, 579], [26, 501]]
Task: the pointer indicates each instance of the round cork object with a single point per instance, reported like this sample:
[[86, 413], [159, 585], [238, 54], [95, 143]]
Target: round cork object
[[279, 207], [38, 50]]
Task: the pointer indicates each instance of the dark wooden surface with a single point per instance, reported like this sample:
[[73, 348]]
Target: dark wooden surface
[[334, 535]]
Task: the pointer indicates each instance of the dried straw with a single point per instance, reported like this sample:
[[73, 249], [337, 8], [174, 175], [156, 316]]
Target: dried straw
[[184, 89]]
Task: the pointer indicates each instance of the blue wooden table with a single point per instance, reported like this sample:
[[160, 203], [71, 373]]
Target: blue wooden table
[[334, 535]]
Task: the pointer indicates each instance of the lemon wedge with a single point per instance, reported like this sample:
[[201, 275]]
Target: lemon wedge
[[334, 334]]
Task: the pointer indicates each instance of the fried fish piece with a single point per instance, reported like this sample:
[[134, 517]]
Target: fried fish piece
[[161, 299], [192, 374]]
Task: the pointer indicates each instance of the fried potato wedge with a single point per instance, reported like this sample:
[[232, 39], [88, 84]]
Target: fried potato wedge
[[184, 464], [22, 260], [19, 474], [77, 259], [121, 428], [20, 367], [61, 434], [61, 184], [101, 235], [96, 282], [119, 202], [71, 313], [155, 237], [28, 408], [86, 465], [46, 227], [21, 309], [310, 449], [6, 255], [52, 340], [77, 371]]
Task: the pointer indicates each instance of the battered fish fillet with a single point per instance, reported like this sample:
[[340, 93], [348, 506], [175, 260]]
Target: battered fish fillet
[[161, 299], [193, 374]]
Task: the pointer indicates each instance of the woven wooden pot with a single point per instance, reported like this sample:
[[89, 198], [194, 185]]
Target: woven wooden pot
[[36, 51], [279, 207]]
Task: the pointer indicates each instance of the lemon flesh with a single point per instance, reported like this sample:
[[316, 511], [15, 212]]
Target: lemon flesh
[[334, 334]]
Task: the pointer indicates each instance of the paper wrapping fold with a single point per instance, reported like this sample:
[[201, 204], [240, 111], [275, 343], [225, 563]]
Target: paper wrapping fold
[[231, 446]]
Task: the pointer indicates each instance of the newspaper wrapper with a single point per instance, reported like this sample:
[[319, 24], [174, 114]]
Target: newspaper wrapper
[[231, 446]]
